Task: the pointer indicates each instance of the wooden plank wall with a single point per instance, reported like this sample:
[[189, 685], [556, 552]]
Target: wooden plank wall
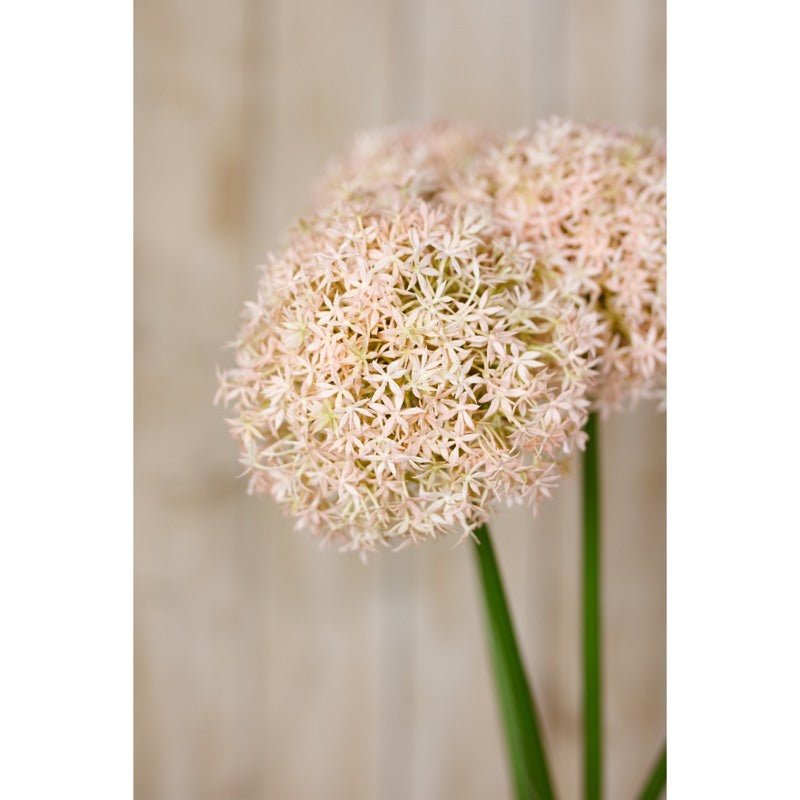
[[264, 667]]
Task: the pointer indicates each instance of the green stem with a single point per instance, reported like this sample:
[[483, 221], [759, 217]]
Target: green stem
[[523, 737], [592, 712], [657, 780]]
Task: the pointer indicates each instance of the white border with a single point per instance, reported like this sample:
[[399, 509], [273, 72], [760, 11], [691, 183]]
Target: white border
[[734, 307], [66, 400]]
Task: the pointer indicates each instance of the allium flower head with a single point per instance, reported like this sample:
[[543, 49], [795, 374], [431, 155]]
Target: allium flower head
[[591, 203], [405, 369], [412, 161]]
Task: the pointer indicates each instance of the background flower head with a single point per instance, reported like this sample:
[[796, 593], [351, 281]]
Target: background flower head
[[411, 161], [590, 201]]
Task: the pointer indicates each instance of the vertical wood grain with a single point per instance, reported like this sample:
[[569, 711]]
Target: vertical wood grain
[[476, 61], [548, 57], [199, 567], [616, 61]]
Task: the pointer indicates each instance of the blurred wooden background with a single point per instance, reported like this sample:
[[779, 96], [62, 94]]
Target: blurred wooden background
[[264, 667]]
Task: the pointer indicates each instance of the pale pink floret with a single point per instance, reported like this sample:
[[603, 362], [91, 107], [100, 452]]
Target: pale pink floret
[[590, 200], [406, 369]]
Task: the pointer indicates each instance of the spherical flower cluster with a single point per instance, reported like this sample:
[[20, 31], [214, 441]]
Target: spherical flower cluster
[[406, 368], [591, 202]]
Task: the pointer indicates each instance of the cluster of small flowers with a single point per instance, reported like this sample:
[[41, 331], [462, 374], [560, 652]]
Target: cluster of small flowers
[[406, 161], [428, 346], [405, 370], [591, 201]]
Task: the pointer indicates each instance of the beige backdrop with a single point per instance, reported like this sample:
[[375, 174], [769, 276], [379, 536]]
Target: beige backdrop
[[266, 668]]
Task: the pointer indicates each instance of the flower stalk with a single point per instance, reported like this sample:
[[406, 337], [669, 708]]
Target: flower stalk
[[657, 779], [518, 709], [592, 709]]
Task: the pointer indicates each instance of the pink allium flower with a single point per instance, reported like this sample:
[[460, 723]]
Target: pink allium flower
[[591, 203], [412, 161], [406, 369]]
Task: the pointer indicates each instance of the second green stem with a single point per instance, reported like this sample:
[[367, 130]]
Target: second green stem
[[592, 709]]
